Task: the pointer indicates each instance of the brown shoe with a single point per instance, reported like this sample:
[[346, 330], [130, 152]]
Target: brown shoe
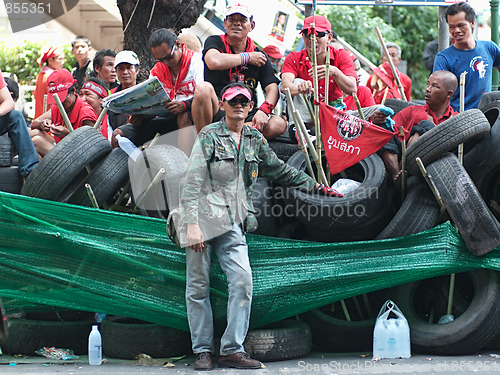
[[203, 362], [239, 360]]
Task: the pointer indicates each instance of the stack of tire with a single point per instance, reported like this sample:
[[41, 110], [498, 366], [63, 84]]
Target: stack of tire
[[476, 303], [82, 157], [10, 179]]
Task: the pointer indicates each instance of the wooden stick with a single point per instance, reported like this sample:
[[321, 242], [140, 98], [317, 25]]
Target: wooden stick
[[63, 113], [156, 179], [393, 68], [356, 53], [317, 129]]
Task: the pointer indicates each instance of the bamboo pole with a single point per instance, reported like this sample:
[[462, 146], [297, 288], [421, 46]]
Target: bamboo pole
[[358, 106], [403, 164], [91, 195], [432, 185], [156, 179], [316, 157], [462, 108], [393, 68], [308, 104], [327, 77], [101, 116], [385, 95], [63, 113], [45, 103], [356, 53], [317, 128]]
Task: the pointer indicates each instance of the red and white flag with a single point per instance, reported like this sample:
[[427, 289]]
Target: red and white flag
[[347, 139]]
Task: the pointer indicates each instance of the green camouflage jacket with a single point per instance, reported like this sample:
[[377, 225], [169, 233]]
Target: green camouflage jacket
[[217, 188]]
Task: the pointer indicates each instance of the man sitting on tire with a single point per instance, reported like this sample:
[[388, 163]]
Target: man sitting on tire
[[13, 123], [417, 119], [50, 128]]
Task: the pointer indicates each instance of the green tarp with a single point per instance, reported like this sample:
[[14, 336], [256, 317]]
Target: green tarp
[[87, 259]]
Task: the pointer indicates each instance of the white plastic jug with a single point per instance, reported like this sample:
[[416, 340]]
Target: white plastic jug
[[391, 336]]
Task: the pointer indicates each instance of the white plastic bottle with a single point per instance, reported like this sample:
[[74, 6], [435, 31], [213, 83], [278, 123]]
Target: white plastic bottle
[[95, 347]]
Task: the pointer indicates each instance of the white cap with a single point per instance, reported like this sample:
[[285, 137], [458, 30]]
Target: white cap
[[129, 57], [238, 8]]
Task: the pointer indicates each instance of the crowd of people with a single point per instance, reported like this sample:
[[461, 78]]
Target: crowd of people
[[213, 95]]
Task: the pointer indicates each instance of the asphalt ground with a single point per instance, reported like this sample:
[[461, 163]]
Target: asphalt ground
[[315, 363]]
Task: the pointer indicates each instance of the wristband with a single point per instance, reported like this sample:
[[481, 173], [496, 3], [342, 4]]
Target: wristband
[[245, 58], [266, 107]]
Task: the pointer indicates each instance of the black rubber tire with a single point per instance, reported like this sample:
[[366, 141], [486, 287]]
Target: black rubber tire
[[359, 215], [284, 150], [484, 159], [419, 212], [5, 151], [466, 126], [126, 337], [67, 160], [106, 179], [475, 223], [476, 311], [10, 179], [262, 198], [164, 196], [333, 333], [26, 335], [397, 104], [279, 341]]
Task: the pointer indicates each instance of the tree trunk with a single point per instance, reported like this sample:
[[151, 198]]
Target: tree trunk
[[141, 18]]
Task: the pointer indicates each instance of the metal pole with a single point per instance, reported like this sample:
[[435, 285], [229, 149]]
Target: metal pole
[[494, 38]]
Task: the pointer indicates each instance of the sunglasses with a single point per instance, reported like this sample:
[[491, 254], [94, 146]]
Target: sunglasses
[[168, 57], [319, 34], [243, 102]]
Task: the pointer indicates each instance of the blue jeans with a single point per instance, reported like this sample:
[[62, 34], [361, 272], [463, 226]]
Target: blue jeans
[[14, 124], [232, 251]]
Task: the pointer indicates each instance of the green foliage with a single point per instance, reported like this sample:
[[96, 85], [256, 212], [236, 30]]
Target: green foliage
[[21, 60], [411, 27]]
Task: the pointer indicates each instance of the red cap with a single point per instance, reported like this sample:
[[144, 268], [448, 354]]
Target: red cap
[[235, 91], [273, 51], [321, 24], [58, 83]]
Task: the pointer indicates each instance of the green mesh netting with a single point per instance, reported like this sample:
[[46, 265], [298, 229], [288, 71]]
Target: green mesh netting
[[67, 256]]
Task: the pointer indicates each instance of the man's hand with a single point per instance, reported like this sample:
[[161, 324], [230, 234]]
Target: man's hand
[[257, 58], [325, 190], [59, 130], [321, 69], [175, 107], [194, 238], [136, 120], [260, 120], [378, 118], [305, 87]]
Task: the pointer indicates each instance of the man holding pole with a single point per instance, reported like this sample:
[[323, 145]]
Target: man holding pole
[[417, 119], [216, 211], [476, 57], [50, 128], [297, 71]]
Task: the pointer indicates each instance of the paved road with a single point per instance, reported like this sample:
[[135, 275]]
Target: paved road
[[315, 363]]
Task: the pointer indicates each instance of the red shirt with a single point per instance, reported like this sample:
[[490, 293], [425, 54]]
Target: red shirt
[[299, 64], [2, 81], [81, 111], [412, 115], [365, 99]]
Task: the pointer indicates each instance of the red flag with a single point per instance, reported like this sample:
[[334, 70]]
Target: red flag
[[347, 139]]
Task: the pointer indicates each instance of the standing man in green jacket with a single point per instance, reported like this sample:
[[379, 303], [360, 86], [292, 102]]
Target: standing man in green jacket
[[216, 211]]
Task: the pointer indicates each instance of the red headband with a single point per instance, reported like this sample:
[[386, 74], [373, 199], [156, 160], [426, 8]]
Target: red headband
[[96, 88]]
